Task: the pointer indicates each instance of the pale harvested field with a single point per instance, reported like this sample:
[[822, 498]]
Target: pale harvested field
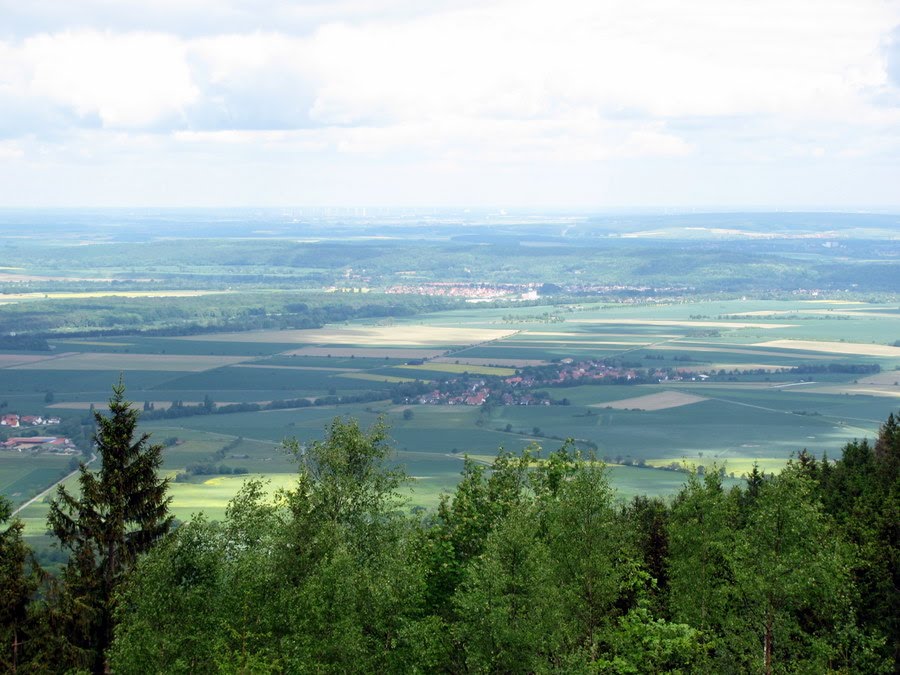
[[376, 336], [333, 370], [569, 346], [574, 343], [733, 366], [159, 362], [573, 334], [835, 302], [774, 312], [887, 377], [9, 360], [511, 363], [687, 324], [660, 401], [462, 368], [855, 348], [738, 465], [366, 352]]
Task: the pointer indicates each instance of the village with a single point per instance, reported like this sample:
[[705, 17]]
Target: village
[[34, 444], [477, 390], [14, 421]]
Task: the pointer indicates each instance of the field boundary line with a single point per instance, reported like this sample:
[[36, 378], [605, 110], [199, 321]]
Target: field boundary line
[[449, 354], [830, 419], [44, 493]]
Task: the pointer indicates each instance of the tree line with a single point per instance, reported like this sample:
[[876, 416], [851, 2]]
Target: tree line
[[529, 565], [30, 325]]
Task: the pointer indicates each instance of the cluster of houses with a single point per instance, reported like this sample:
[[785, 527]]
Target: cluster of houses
[[34, 443], [472, 291], [477, 392], [56, 444], [520, 389], [569, 371], [14, 421]]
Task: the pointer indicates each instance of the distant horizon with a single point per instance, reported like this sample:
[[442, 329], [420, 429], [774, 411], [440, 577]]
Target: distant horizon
[[481, 209]]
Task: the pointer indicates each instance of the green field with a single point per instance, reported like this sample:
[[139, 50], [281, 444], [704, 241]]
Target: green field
[[24, 476], [730, 421]]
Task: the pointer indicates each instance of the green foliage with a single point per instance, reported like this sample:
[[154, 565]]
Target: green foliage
[[325, 580], [792, 579], [19, 579], [507, 607], [595, 568], [530, 565], [862, 493], [701, 536], [644, 644], [353, 589], [201, 600]]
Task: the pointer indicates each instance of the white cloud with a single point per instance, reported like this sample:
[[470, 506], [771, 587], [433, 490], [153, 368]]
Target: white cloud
[[654, 58], [521, 85], [11, 150], [129, 80]]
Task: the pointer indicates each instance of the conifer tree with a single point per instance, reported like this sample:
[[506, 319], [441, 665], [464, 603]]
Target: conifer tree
[[120, 512], [19, 577]]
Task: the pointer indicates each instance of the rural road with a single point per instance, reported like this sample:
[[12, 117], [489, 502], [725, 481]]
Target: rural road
[[44, 493]]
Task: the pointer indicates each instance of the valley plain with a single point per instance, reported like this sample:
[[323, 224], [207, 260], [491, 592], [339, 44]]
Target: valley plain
[[655, 355]]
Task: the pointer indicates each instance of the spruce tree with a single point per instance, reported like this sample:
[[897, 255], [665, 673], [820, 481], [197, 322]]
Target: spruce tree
[[19, 578], [120, 512]]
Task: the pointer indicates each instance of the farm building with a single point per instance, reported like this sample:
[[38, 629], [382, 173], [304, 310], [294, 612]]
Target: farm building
[[52, 443]]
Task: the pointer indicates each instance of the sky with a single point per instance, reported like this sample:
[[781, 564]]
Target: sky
[[577, 104]]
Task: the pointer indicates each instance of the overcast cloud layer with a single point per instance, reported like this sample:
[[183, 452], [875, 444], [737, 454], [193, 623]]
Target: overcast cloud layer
[[595, 103]]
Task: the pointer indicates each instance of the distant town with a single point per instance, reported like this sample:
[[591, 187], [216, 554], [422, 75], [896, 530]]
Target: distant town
[[487, 291]]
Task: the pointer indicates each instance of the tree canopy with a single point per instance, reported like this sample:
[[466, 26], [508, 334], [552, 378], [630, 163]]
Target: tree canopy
[[531, 564]]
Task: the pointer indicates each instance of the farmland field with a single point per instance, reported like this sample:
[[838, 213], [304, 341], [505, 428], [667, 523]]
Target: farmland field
[[461, 368], [405, 335], [150, 362], [23, 476], [658, 401], [748, 381]]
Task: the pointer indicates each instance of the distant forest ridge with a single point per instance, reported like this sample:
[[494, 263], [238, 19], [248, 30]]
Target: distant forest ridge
[[141, 225]]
